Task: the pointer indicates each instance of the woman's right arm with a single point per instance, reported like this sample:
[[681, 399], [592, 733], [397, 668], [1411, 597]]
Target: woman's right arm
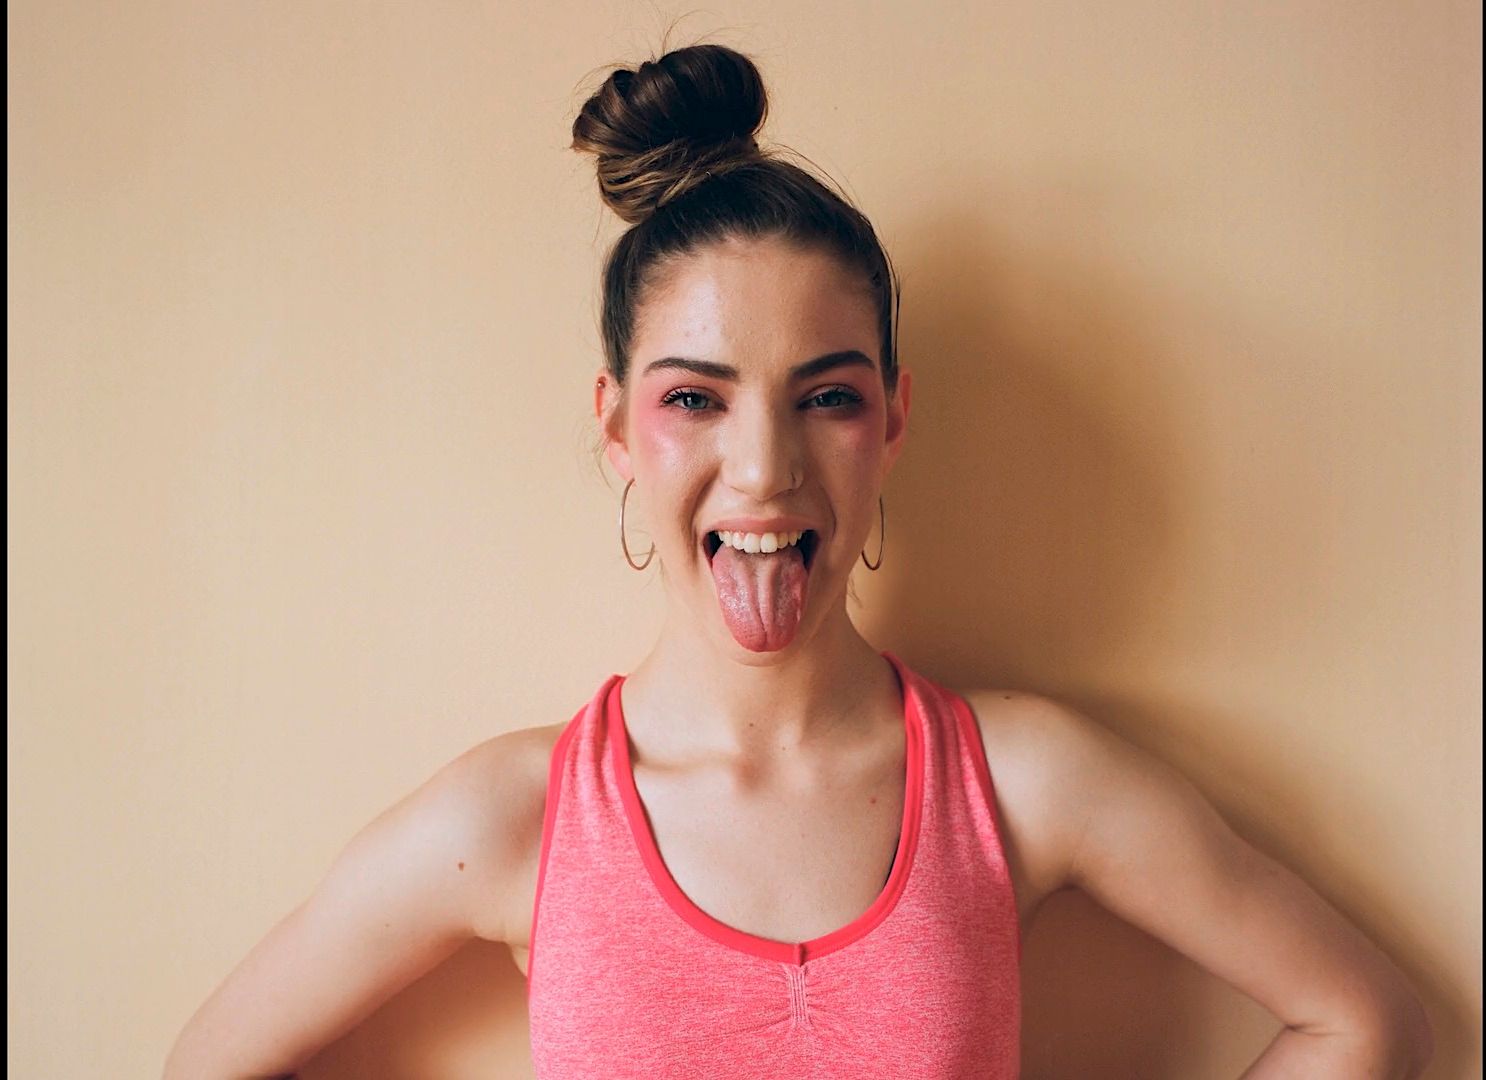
[[405, 893]]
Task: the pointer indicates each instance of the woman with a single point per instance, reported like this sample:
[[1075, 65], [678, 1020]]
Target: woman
[[771, 849]]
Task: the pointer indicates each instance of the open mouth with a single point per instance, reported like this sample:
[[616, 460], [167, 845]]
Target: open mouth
[[808, 543]]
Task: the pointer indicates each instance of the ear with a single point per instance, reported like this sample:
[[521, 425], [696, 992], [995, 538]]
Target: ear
[[608, 407], [897, 417]]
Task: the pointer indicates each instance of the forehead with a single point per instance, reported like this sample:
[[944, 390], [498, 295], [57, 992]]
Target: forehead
[[757, 302]]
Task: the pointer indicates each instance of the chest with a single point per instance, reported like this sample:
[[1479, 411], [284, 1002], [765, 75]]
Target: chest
[[786, 861], [913, 996], [777, 861], [781, 854]]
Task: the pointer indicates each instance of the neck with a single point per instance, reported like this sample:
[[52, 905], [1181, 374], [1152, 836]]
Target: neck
[[698, 698]]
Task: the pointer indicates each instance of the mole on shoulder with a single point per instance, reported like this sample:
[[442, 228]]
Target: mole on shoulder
[[461, 866]]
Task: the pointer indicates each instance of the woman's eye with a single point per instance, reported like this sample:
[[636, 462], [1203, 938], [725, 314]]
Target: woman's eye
[[837, 397], [685, 395], [847, 397]]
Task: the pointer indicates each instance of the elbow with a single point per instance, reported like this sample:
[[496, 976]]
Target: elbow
[[1419, 1042], [1401, 1039]]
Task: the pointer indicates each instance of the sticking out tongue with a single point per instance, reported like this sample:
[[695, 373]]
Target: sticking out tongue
[[762, 596]]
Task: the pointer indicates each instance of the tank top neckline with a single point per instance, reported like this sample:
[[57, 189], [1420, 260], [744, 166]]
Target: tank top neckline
[[793, 953]]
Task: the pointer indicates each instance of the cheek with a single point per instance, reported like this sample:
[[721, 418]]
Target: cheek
[[855, 446], [665, 438], [863, 434]]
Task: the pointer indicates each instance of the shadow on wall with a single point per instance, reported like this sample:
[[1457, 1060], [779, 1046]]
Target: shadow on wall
[[1030, 517], [1034, 526]]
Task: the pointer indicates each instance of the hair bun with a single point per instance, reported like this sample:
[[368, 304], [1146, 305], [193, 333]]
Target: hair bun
[[661, 129]]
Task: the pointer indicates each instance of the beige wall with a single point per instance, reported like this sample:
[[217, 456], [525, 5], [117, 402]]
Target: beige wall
[[302, 332]]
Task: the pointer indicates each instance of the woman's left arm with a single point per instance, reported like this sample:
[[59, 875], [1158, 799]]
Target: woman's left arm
[[1153, 851]]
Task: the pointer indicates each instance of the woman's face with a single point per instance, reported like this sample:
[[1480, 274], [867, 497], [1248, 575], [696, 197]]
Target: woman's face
[[755, 404]]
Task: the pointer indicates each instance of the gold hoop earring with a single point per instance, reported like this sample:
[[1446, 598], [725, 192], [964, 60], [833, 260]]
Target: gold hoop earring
[[622, 544], [882, 524]]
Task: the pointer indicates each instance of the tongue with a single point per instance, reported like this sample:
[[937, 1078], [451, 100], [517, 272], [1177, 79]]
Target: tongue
[[762, 596]]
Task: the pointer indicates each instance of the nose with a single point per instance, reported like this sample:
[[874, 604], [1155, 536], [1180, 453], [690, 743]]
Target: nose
[[762, 454]]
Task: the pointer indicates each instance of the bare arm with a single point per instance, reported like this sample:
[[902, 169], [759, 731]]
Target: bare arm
[[1153, 851], [403, 895]]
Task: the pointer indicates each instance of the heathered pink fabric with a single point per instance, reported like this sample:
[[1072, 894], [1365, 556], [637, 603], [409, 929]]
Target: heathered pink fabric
[[628, 978]]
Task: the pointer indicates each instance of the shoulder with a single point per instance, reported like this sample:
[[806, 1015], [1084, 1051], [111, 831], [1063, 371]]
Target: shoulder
[[1048, 763], [482, 812], [504, 775], [1036, 729], [1091, 795], [494, 783]]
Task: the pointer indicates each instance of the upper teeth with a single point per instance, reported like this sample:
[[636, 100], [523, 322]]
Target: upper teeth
[[756, 542]]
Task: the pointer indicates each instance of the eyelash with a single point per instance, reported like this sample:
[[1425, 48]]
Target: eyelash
[[852, 398]]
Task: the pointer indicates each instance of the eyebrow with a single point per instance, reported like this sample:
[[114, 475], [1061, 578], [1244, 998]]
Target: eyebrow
[[809, 369]]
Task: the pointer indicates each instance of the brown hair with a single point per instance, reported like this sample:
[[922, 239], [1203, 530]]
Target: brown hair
[[677, 159]]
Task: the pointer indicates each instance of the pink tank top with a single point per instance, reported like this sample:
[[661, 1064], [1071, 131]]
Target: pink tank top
[[628, 978]]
